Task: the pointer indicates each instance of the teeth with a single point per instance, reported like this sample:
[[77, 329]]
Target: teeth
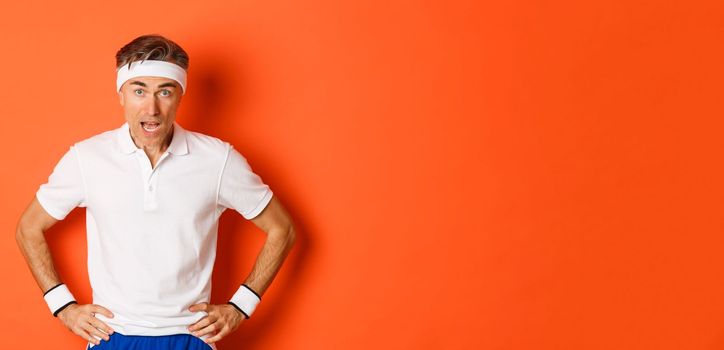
[[149, 127]]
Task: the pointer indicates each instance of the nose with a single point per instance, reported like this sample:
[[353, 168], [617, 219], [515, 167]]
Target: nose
[[151, 107]]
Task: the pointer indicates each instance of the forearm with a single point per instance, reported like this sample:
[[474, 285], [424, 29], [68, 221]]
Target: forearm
[[37, 255], [269, 261]]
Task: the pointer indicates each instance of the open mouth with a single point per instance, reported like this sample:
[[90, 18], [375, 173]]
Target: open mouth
[[150, 126]]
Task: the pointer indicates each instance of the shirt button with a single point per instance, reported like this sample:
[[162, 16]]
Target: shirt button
[[150, 188]]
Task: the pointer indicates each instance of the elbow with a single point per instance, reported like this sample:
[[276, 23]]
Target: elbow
[[283, 237], [20, 234], [290, 235], [25, 230], [19, 231]]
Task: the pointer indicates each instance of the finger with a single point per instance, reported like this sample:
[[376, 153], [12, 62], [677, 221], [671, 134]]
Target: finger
[[103, 311], [200, 324], [222, 333], [199, 307], [208, 329], [83, 334], [101, 325], [95, 332]]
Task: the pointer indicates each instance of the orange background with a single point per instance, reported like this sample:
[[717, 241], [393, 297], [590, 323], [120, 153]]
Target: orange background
[[463, 174]]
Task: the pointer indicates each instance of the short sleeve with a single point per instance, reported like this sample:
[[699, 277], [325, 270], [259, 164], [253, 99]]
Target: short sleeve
[[65, 189], [240, 188]]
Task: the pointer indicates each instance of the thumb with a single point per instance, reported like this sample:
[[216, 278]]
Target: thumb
[[103, 311], [198, 307]]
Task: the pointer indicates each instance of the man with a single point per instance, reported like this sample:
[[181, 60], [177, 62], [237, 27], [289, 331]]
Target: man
[[153, 194]]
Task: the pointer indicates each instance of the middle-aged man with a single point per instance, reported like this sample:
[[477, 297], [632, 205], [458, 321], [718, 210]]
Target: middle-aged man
[[153, 194]]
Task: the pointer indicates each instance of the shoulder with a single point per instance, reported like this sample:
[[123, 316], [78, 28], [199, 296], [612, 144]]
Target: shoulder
[[207, 144], [99, 144], [214, 148], [103, 139]]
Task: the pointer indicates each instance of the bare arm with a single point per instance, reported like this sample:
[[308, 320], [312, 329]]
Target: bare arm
[[279, 227], [30, 236], [277, 224]]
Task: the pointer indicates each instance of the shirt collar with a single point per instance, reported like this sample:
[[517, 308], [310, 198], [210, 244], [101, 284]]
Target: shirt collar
[[177, 147]]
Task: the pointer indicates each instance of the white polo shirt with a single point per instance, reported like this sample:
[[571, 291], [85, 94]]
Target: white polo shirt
[[152, 233]]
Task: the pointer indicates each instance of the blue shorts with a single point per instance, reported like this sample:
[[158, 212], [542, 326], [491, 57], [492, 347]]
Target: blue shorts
[[119, 341]]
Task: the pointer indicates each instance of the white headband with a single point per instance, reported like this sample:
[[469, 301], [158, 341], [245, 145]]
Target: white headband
[[151, 68]]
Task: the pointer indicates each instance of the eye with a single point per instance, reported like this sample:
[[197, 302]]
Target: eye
[[165, 93], [138, 92]]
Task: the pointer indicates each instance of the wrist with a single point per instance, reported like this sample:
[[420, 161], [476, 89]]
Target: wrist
[[58, 298], [245, 300], [62, 311], [238, 310]]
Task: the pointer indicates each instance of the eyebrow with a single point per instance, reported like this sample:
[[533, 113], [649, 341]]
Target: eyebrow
[[136, 82]]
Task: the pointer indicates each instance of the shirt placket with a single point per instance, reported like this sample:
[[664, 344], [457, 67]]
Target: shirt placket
[[150, 180]]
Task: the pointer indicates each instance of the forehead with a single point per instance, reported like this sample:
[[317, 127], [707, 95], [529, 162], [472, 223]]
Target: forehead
[[152, 82]]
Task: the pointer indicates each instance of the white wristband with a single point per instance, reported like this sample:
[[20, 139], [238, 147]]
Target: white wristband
[[245, 300], [58, 298]]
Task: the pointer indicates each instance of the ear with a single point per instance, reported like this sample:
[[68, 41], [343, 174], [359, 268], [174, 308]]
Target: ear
[[121, 99]]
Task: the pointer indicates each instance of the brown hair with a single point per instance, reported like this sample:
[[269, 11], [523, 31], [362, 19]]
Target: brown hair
[[152, 47]]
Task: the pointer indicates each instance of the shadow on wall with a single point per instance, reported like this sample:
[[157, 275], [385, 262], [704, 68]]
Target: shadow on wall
[[218, 78], [212, 88]]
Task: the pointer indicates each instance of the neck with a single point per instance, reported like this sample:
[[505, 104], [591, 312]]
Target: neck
[[154, 151]]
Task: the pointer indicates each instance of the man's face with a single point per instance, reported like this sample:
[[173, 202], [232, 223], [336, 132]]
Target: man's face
[[149, 107]]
